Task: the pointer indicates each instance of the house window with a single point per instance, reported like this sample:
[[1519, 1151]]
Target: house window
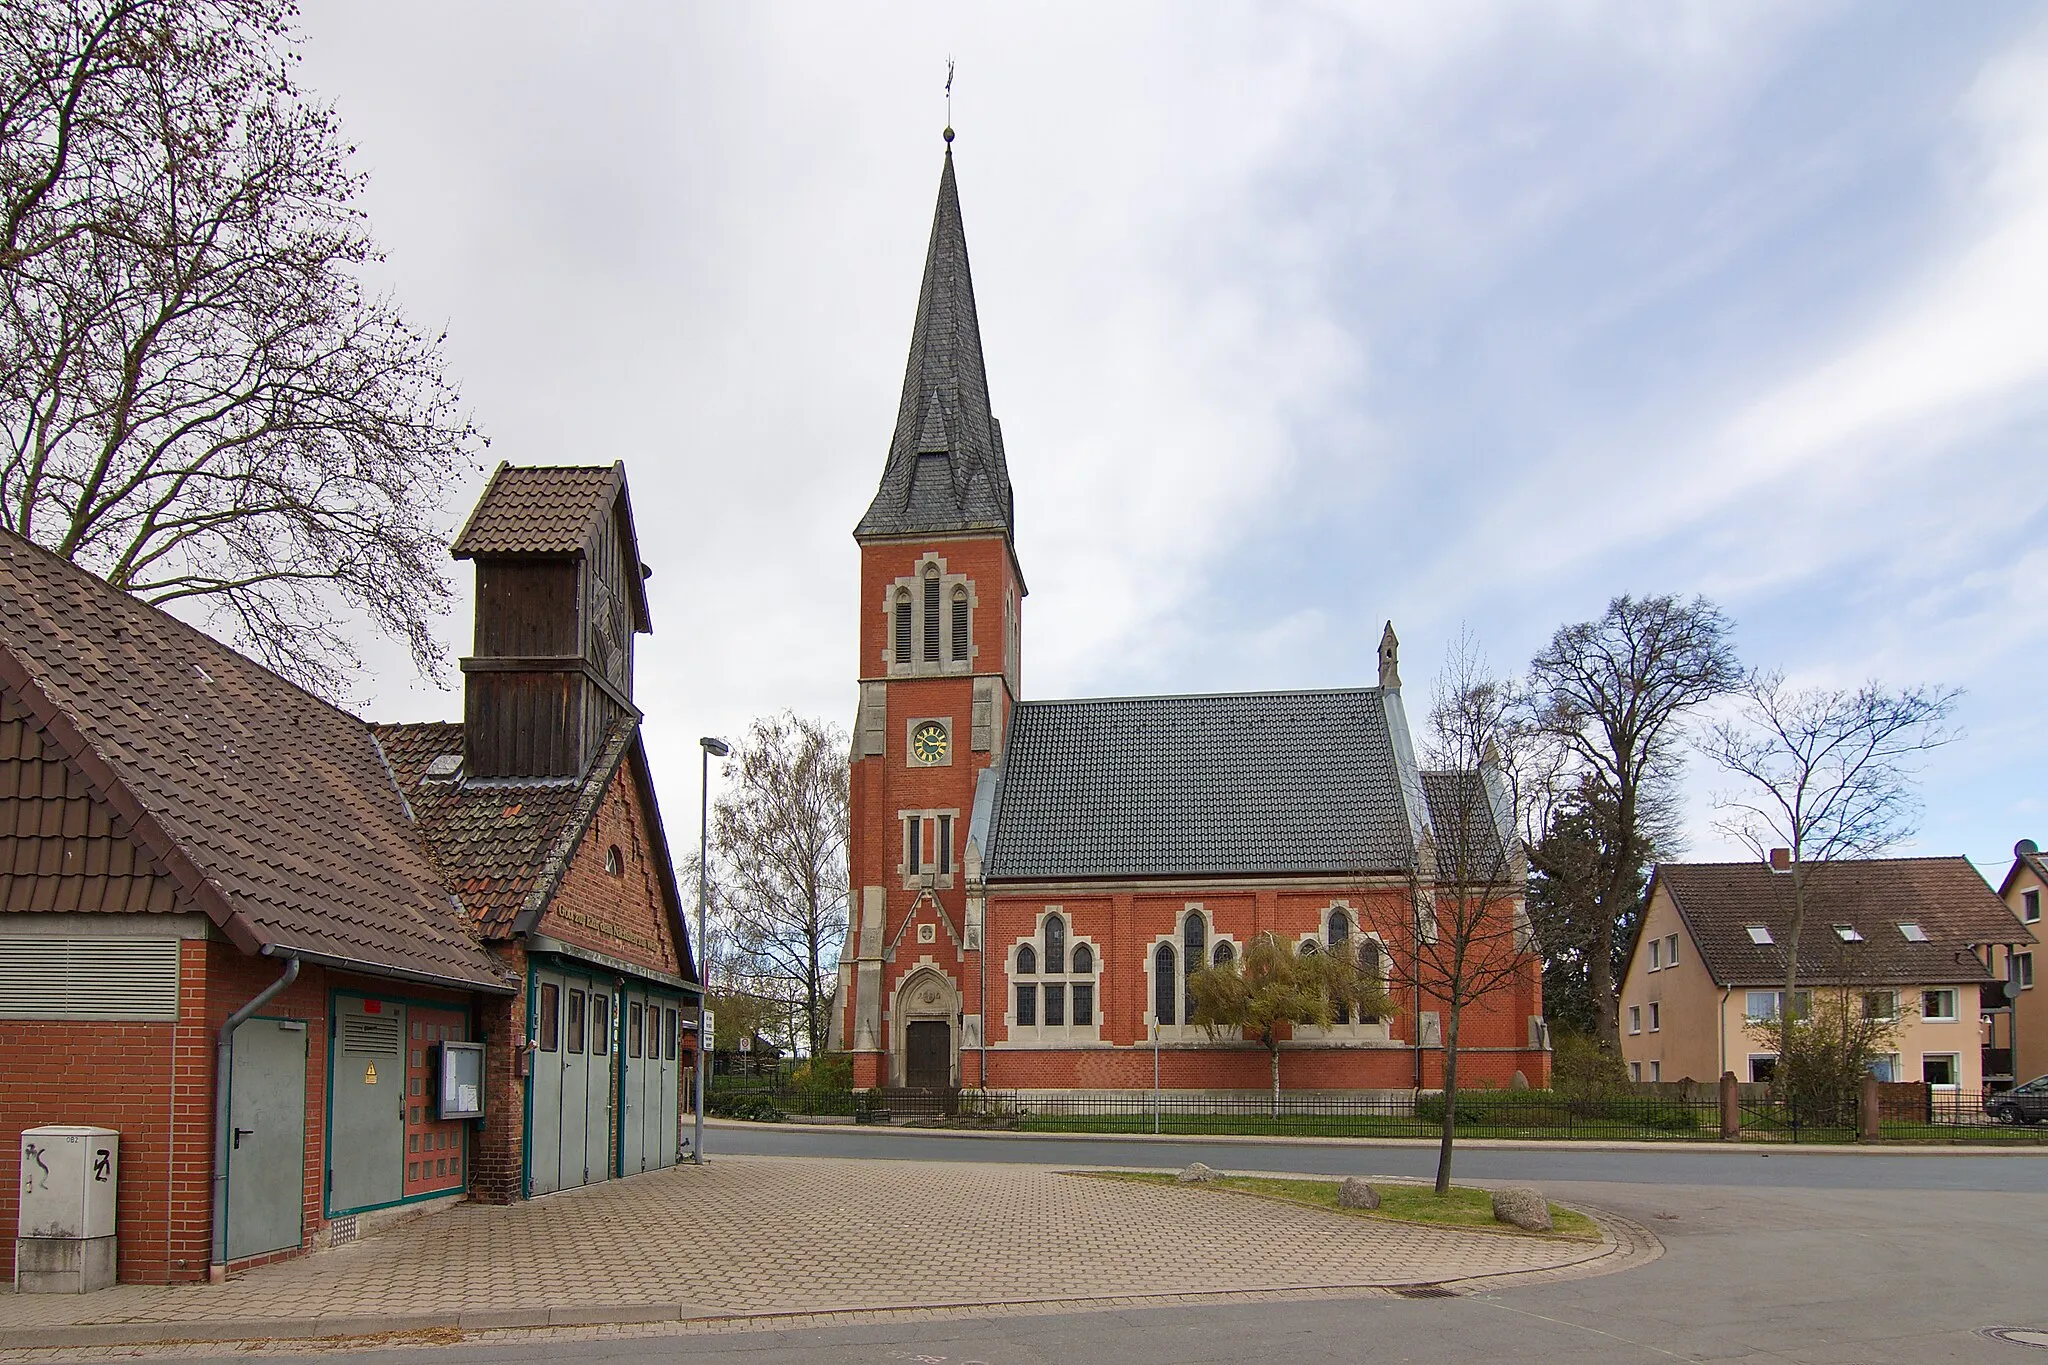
[[903, 627], [1884, 1068], [931, 615], [1848, 933], [959, 625], [1656, 947], [1939, 1068], [1671, 950], [1162, 984], [1762, 1005], [1656, 1016], [1880, 1005], [2030, 905], [1938, 1007], [945, 844], [1027, 1004], [614, 861], [1762, 1067], [1635, 1071], [1656, 1071], [1055, 948], [1635, 1018], [2023, 970]]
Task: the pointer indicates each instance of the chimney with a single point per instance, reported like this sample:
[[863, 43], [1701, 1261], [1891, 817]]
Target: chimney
[[1781, 860]]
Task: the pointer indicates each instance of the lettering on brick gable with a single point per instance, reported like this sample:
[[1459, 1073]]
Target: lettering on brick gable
[[605, 928]]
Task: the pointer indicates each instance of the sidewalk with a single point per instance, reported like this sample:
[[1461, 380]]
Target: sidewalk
[[754, 1237]]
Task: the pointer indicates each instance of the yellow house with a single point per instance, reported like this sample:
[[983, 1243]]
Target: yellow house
[[1912, 936], [2026, 1028]]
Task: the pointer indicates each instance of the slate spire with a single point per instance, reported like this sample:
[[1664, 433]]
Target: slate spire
[[946, 470]]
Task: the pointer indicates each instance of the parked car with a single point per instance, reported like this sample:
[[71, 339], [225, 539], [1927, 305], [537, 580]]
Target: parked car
[[2022, 1104]]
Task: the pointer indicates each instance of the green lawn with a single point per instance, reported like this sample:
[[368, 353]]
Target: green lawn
[[1400, 1203]]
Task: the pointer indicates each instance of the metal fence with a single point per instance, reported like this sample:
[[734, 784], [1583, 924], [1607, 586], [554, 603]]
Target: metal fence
[[1929, 1115]]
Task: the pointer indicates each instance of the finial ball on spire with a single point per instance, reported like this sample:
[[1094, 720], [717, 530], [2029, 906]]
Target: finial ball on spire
[[948, 134]]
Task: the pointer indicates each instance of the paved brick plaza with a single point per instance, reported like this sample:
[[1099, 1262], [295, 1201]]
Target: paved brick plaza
[[780, 1235]]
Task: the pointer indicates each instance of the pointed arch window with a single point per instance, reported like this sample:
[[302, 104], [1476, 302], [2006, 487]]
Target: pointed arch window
[[959, 625], [1224, 954], [931, 614], [1084, 991], [1194, 942], [1340, 939], [1051, 993], [1163, 982], [1055, 944]]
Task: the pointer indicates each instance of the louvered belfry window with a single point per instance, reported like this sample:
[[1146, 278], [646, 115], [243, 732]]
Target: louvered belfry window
[[931, 616], [959, 625], [902, 627]]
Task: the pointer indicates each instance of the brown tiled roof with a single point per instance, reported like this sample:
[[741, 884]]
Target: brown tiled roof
[[272, 810], [502, 845], [1944, 896], [540, 510]]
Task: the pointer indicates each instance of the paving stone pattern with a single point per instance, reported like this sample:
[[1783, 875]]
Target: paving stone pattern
[[779, 1235]]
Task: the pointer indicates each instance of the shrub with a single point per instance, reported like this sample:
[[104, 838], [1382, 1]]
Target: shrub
[[827, 1071], [1582, 1070], [753, 1108], [1498, 1108]]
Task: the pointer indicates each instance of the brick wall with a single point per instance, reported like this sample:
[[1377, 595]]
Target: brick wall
[[623, 915]]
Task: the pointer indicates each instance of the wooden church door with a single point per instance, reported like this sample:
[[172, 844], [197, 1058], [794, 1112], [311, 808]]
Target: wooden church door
[[928, 1055]]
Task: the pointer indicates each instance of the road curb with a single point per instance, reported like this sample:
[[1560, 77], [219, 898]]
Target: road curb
[[1411, 1144]]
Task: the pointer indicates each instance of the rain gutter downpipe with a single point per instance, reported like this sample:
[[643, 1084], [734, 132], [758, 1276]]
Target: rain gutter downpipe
[[223, 1061]]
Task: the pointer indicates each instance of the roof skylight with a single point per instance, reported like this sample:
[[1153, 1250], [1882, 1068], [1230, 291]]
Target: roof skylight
[[1760, 934], [1848, 933], [1914, 933]]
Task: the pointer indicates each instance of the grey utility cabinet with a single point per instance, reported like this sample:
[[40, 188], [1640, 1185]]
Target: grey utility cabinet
[[65, 1243]]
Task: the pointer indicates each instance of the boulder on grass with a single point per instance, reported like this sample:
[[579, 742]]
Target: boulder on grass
[[1522, 1208], [1518, 1082], [1197, 1174], [1357, 1194]]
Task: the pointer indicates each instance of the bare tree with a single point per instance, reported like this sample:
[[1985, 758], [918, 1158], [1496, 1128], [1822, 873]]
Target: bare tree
[[1612, 694], [1472, 936], [779, 835], [200, 400], [1827, 774]]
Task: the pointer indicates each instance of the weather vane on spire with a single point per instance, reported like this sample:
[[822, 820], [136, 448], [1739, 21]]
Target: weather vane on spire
[[949, 104]]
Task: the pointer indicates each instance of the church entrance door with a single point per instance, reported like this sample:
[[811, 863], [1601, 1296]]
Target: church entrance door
[[928, 1054]]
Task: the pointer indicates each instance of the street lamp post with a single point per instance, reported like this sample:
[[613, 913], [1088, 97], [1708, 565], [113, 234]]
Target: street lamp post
[[719, 747]]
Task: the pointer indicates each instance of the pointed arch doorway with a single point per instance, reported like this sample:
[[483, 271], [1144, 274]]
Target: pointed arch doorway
[[926, 1008]]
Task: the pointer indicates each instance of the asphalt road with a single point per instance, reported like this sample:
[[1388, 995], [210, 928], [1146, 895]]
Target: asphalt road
[[2020, 1171], [1810, 1256]]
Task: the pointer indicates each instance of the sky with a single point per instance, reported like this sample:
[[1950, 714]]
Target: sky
[[1299, 318]]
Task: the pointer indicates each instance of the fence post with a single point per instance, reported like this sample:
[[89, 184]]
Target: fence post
[[1731, 1107], [1867, 1109]]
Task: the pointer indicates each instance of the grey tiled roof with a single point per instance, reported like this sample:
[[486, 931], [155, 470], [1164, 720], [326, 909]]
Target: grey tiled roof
[[946, 468], [1469, 839], [1241, 784]]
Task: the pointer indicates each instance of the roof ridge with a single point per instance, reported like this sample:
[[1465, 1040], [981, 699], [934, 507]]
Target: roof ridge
[[1206, 696]]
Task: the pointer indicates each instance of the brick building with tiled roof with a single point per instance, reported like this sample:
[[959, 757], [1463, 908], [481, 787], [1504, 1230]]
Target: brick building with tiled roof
[[1033, 881], [242, 927]]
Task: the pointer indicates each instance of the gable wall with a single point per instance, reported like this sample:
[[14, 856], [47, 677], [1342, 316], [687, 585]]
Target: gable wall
[[1689, 1042], [2030, 1011], [621, 916]]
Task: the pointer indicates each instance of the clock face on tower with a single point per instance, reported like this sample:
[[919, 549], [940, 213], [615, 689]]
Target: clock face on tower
[[929, 743]]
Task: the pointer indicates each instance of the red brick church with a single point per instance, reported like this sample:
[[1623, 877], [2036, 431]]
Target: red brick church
[[1034, 881]]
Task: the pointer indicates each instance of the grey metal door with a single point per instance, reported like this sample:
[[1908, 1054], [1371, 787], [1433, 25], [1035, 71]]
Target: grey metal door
[[603, 1087], [575, 1082], [267, 1141], [366, 1161], [632, 1122], [544, 1132], [665, 1109]]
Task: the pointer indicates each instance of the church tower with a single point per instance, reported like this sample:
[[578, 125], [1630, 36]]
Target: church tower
[[940, 615]]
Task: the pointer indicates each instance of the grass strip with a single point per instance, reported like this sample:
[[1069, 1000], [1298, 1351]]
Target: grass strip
[[1463, 1207]]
